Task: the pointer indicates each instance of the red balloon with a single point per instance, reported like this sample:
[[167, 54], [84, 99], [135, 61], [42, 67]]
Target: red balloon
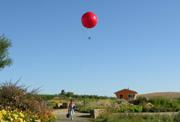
[[89, 20]]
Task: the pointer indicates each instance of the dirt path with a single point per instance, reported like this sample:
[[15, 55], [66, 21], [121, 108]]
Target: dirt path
[[78, 117]]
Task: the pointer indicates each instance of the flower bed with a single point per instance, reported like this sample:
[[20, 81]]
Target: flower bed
[[25, 116]]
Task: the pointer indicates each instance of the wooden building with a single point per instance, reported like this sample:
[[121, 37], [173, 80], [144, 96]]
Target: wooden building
[[126, 94]]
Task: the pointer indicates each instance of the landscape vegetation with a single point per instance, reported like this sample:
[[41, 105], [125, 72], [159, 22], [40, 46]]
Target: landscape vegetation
[[141, 109]]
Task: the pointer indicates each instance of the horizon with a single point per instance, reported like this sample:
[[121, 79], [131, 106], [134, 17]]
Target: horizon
[[113, 93], [134, 45]]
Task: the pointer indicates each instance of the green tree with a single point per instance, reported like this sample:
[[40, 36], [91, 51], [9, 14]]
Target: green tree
[[62, 92], [4, 55], [69, 94]]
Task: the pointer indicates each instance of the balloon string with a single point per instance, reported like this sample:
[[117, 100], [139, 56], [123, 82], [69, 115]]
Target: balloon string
[[89, 34]]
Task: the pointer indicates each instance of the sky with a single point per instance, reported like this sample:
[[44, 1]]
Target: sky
[[136, 45]]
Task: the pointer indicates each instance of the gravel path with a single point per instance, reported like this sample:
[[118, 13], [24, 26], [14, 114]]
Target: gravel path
[[78, 117]]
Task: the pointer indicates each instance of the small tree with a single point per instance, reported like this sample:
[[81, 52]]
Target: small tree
[[4, 55], [63, 92]]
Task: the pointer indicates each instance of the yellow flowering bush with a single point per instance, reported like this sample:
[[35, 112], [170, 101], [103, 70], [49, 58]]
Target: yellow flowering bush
[[20, 116], [18, 104]]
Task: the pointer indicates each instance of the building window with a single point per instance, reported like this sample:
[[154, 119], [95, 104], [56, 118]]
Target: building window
[[130, 96]]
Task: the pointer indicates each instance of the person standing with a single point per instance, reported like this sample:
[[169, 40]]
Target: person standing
[[71, 109]]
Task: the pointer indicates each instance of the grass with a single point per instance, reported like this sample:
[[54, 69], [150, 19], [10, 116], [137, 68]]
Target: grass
[[109, 117]]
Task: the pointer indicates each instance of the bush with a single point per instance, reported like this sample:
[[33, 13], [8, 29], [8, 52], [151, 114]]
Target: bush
[[14, 97], [20, 116], [125, 107], [109, 117], [164, 105], [140, 101], [87, 105], [148, 107], [177, 117]]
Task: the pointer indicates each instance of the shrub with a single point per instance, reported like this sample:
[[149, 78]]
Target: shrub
[[147, 107], [140, 101], [20, 116], [125, 107], [136, 108], [164, 105], [177, 117], [14, 97], [87, 104], [133, 118]]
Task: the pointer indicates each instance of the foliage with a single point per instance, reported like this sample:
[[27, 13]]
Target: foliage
[[64, 94], [158, 104], [141, 105], [148, 107], [164, 105], [177, 117], [87, 105], [16, 97], [109, 117], [12, 116], [47, 97], [140, 101], [4, 56], [24, 116], [126, 108]]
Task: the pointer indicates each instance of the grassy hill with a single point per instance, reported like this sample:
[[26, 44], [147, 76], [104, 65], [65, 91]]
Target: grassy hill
[[172, 95]]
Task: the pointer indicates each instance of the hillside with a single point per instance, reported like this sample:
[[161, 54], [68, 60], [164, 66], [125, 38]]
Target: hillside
[[161, 94]]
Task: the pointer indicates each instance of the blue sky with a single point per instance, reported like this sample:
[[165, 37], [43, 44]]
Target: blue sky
[[136, 44]]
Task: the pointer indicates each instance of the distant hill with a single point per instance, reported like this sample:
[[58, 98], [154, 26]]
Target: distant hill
[[161, 94]]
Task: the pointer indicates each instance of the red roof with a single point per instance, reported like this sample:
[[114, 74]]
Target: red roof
[[134, 92]]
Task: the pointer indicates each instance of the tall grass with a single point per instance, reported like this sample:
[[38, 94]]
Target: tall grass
[[136, 118]]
